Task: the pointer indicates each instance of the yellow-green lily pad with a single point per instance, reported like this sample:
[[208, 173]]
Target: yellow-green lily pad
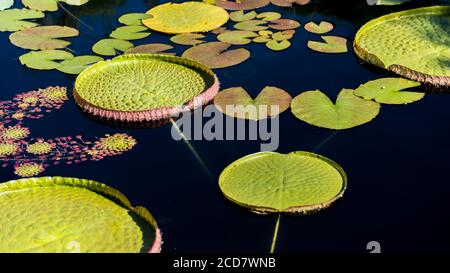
[[315, 108], [251, 25], [289, 3], [43, 37], [321, 28], [130, 33], [237, 37], [151, 49], [6, 4], [15, 19], [188, 39], [240, 15], [242, 4], [216, 54], [76, 65], [45, 59], [269, 16], [134, 19], [295, 183], [278, 45], [331, 44], [110, 47], [50, 5]]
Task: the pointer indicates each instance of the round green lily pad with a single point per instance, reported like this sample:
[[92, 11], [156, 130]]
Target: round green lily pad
[[413, 43], [331, 44], [129, 33], [78, 64], [60, 214], [237, 37], [216, 54], [45, 59], [134, 19], [240, 16], [43, 37], [298, 182], [144, 87], [109, 47], [188, 39], [15, 19]]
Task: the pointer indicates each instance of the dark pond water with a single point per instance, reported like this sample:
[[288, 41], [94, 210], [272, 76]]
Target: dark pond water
[[398, 167]]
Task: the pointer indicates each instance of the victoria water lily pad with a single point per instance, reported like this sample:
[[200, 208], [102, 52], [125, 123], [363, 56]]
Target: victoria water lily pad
[[239, 15], [321, 28], [236, 102], [331, 44], [14, 19], [298, 182], [186, 17], [151, 48], [43, 37], [414, 44], [284, 24], [130, 33], [389, 91], [188, 39], [109, 47], [242, 4], [216, 55], [60, 214], [78, 64], [45, 59], [134, 19], [144, 87], [50, 5], [6, 4], [237, 37], [315, 108]]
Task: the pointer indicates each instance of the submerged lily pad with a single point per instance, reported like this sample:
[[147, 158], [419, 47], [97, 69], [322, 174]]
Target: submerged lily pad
[[43, 37], [321, 28], [6, 4], [412, 43], [130, 33], [186, 17], [78, 64], [239, 15], [298, 182], [236, 102], [237, 37], [134, 19], [188, 39], [251, 25], [389, 91], [314, 107], [50, 5], [118, 89], [215, 54], [284, 24], [151, 48], [14, 19], [45, 59], [60, 214], [109, 47], [242, 4], [332, 44]]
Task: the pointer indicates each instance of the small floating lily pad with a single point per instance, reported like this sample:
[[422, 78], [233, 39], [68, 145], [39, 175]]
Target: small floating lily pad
[[298, 182], [412, 43], [321, 28], [237, 37], [78, 64], [331, 44], [186, 17], [60, 214], [144, 87], [315, 108], [389, 91], [43, 37], [45, 59], [284, 24], [15, 19], [239, 15], [152, 49], [130, 33], [134, 19], [6, 4], [289, 3], [188, 39], [278, 45], [236, 102], [110, 47], [50, 5], [217, 55], [242, 4], [269, 16], [251, 25]]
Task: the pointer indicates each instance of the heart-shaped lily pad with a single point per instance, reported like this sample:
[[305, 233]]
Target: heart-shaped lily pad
[[134, 19], [14, 19], [321, 28], [109, 47], [389, 91], [188, 39], [45, 59], [278, 45], [78, 64], [151, 49], [144, 87], [298, 182], [251, 25], [269, 16], [315, 108], [215, 54], [186, 17], [236, 102], [289, 3], [60, 214], [242, 4], [239, 15], [50, 5], [284, 24], [43, 37], [6, 4], [130, 33], [332, 44], [237, 37]]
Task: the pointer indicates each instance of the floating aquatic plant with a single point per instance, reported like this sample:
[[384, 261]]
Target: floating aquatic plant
[[50, 5], [186, 17], [79, 63], [236, 102], [315, 108], [45, 59], [188, 39], [289, 3], [110, 47], [134, 19], [60, 214], [252, 25], [216, 54], [284, 24], [6, 4], [237, 37], [321, 28], [240, 16], [331, 44], [298, 182], [242, 4], [151, 49], [43, 37], [17, 19], [413, 44], [389, 91], [130, 33], [118, 89]]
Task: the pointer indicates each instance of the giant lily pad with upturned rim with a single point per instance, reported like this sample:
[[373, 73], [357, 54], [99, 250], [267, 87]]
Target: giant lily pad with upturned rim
[[144, 87], [61, 214]]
